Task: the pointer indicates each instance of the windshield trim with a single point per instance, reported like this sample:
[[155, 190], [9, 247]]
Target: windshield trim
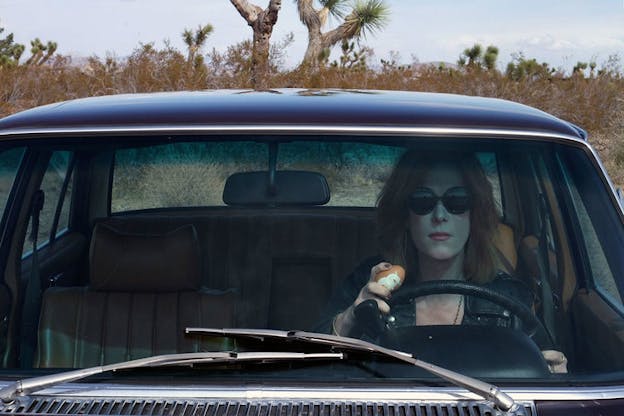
[[297, 129], [596, 161]]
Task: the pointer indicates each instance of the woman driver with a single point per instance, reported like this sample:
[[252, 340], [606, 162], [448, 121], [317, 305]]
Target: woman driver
[[436, 218]]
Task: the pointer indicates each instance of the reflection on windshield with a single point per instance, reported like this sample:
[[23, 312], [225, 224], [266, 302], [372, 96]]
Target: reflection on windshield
[[518, 242]]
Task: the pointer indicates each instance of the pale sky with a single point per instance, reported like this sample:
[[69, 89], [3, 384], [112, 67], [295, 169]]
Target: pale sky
[[560, 32]]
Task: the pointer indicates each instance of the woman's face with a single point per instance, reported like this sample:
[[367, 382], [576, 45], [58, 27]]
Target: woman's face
[[441, 234]]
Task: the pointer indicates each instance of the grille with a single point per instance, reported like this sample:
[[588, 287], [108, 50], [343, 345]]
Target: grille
[[54, 406]]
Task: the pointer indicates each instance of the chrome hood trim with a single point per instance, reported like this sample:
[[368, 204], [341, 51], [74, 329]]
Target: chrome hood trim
[[376, 394]]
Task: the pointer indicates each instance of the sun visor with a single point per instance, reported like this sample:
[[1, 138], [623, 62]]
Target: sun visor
[[278, 188]]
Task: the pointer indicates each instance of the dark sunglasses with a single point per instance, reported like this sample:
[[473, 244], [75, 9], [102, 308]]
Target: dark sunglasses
[[456, 200]]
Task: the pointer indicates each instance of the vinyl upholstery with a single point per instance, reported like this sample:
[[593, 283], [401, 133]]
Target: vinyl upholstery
[[278, 263], [145, 289]]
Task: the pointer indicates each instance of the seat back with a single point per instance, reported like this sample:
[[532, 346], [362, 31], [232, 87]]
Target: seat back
[[505, 244], [284, 264], [144, 291]]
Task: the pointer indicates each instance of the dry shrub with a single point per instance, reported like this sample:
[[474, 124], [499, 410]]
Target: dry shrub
[[610, 145], [23, 87], [168, 185]]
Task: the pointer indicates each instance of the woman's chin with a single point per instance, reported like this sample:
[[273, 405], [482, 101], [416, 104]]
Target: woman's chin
[[443, 255]]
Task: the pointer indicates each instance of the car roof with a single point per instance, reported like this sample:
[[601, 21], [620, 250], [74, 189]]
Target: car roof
[[287, 107]]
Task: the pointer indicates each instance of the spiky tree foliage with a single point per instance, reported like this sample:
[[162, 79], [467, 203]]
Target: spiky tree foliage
[[476, 58], [358, 19], [195, 41], [471, 55], [261, 22], [40, 53], [10, 52], [489, 58]]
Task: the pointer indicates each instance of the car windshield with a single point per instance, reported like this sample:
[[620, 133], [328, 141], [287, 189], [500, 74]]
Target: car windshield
[[496, 258]]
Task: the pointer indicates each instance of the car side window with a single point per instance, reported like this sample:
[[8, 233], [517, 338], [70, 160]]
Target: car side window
[[603, 277], [57, 188], [596, 223], [10, 161]]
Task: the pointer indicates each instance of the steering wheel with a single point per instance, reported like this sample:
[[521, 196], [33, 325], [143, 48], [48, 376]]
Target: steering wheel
[[506, 352], [530, 324]]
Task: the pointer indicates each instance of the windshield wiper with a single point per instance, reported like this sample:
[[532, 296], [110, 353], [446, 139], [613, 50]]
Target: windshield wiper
[[488, 391], [34, 384]]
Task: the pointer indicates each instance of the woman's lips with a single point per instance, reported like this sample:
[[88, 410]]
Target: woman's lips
[[439, 236]]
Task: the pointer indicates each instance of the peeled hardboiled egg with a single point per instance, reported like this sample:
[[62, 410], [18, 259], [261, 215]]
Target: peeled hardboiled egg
[[391, 278]]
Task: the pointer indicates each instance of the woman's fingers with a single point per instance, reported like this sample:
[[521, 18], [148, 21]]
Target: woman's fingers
[[372, 290], [376, 292], [383, 306]]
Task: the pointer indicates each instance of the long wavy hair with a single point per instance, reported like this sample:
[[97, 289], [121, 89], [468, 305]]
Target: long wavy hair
[[393, 213]]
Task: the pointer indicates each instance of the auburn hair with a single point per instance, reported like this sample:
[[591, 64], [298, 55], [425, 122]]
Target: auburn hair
[[393, 212]]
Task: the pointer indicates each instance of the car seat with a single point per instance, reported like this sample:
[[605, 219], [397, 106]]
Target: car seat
[[144, 290]]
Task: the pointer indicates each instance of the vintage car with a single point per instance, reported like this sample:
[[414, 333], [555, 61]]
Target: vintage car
[[215, 253]]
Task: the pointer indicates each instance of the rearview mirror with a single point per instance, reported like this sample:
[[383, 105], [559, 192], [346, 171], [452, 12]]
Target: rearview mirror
[[284, 188]]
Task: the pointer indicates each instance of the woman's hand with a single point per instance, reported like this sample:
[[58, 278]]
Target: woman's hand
[[345, 321]]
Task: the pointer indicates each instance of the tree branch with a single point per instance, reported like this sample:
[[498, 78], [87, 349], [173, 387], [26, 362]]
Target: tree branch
[[274, 5], [249, 11], [272, 10], [346, 30], [308, 15]]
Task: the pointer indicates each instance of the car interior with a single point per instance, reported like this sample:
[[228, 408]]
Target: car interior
[[110, 278]]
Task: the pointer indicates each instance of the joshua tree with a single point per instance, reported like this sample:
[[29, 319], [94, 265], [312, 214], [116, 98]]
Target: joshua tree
[[365, 16], [475, 57], [489, 57], [10, 52], [40, 53], [471, 56], [261, 22], [195, 42]]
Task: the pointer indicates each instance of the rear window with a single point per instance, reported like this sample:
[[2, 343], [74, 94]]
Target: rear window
[[180, 174], [194, 174]]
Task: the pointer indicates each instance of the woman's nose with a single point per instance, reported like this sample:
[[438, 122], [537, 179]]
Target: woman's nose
[[439, 213]]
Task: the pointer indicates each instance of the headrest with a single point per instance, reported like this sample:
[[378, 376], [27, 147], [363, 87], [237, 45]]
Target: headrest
[[125, 262], [505, 243]]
